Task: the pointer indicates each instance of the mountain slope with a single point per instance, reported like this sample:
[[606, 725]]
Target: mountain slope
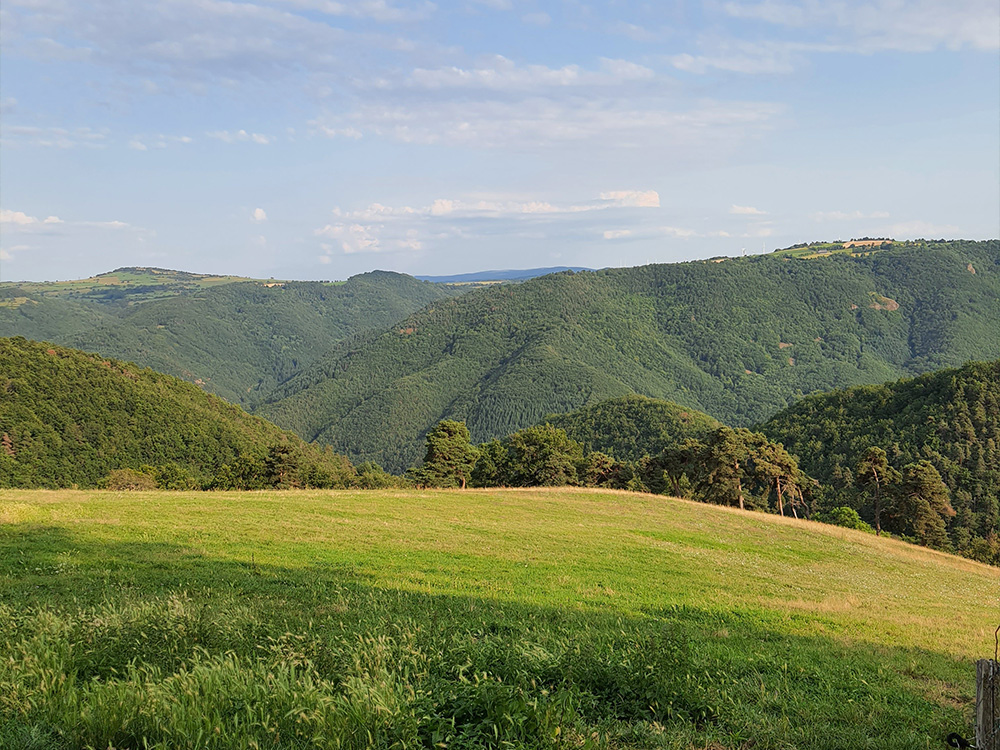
[[238, 340], [739, 339], [67, 417], [631, 427], [951, 418]]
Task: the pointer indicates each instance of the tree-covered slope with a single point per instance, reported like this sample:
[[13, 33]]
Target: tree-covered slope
[[739, 339], [630, 427], [33, 316], [237, 340], [950, 418], [67, 417]]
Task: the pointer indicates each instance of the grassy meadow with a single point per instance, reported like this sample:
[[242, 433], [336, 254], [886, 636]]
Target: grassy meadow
[[479, 618]]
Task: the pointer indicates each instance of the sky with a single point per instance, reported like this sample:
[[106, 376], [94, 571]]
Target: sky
[[317, 139]]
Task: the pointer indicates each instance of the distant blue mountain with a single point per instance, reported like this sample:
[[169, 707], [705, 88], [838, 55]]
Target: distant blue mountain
[[508, 275]]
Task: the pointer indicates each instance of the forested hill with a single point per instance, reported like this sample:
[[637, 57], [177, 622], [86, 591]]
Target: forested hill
[[950, 418], [739, 339], [631, 427], [67, 417], [237, 340]]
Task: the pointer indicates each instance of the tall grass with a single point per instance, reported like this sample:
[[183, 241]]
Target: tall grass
[[144, 623]]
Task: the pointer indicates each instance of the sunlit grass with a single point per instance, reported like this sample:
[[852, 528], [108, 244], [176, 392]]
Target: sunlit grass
[[539, 618]]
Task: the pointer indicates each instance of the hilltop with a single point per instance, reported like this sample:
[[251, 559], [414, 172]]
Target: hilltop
[[631, 427], [739, 340], [71, 418]]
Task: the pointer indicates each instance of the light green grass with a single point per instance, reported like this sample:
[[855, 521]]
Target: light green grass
[[540, 618]]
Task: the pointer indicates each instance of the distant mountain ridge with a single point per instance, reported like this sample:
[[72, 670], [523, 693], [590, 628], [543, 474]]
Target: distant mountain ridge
[[237, 339], [739, 339], [507, 275]]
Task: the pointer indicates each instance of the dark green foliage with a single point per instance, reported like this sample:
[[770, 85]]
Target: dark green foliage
[[542, 456], [237, 340], [844, 516], [921, 505], [731, 467], [449, 458], [631, 427], [948, 421], [739, 339], [68, 418]]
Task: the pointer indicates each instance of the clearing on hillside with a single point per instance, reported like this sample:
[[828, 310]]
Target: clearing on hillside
[[473, 619]]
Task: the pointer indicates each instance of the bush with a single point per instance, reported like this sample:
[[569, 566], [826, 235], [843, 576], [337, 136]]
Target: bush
[[846, 517], [128, 480]]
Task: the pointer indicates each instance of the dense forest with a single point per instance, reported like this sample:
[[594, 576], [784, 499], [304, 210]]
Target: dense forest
[[237, 340], [69, 418], [631, 427], [739, 339], [949, 420]]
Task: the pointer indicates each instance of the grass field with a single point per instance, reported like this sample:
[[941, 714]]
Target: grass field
[[459, 619]]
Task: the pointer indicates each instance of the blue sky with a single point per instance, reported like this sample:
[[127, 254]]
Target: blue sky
[[322, 138]]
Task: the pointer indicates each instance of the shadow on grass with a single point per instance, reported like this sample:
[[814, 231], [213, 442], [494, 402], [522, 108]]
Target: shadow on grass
[[679, 676]]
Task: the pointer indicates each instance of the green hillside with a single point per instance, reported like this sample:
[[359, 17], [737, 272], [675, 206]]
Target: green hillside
[[237, 340], [739, 339], [70, 418], [631, 427], [950, 418], [473, 619], [123, 286]]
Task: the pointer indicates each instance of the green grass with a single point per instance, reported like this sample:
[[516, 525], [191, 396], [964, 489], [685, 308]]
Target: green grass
[[549, 618]]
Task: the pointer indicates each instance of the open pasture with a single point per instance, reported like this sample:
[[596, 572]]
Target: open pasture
[[461, 619]]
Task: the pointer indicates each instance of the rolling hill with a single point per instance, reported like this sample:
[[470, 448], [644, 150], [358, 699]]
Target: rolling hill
[[71, 418], [237, 340], [739, 339], [630, 427], [950, 418]]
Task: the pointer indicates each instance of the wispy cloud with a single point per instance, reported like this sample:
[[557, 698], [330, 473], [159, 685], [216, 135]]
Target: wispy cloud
[[381, 228], [870, 26], [538, 122], [54, 137], [240, 136], [746, 211], [822, 216]]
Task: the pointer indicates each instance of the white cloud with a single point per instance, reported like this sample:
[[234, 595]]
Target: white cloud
[[875, 25], [54, 137], [495, 4], [540, 122], [633, 198], [746, 211], [136, 145], [678, 232], [258, 215], [353, 238], [376, 10], [617, 234], [537, 19], [16, 217], [502, 74], [240, 136], [911, 230], [822, 216]]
